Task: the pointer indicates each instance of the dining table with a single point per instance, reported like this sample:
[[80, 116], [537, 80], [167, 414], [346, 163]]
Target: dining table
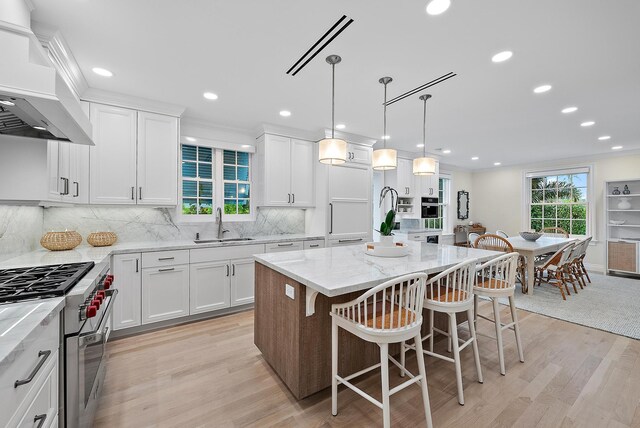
[[531, 249]]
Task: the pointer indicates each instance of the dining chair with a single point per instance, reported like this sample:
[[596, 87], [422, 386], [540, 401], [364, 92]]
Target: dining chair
[[580, 263], [496, 279], [555, 232], [472, 238], [502, 233], [576, 263], [388, 313], [498, 243], [556, 267]]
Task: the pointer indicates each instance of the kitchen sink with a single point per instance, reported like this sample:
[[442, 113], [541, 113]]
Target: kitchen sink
[[210, 241]]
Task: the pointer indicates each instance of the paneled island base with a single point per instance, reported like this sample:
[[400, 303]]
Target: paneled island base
[[297, 346]]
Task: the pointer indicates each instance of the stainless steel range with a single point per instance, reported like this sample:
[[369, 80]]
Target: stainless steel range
[[85, 323]]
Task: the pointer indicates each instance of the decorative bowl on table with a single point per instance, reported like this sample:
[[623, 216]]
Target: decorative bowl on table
[[617, 222], [102, 239], [531, 236], [61, 241]]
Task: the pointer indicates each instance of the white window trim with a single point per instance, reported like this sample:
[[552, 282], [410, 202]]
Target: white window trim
[[218, 187], [571, 169], [447, 227]]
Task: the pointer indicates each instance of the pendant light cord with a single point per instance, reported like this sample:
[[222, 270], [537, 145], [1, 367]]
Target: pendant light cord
[[333, 99], [424, 131]]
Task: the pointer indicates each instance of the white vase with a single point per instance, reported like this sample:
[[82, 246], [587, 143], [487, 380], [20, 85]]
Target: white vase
[[386, 241], [624, 204]]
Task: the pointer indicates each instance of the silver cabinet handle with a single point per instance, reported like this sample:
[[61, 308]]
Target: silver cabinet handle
[[35, 370], [233, 270], [65, 186], [137, 265], [77, 189], [285, 245], [331, 218], [140, 191], [133, 193], [166, 269], [41, 418], [288, 198], [293, 199], [350, 240], [165, 258], [227, 266], [314, 245]]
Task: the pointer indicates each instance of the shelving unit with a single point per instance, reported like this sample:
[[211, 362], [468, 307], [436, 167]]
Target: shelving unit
[[623, 240]]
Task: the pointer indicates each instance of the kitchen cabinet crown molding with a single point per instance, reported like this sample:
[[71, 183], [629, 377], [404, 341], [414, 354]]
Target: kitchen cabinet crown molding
[[351, 138], [288, 132], [127, 101]]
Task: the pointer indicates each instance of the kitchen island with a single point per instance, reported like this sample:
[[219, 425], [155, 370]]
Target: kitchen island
[[294, 292]]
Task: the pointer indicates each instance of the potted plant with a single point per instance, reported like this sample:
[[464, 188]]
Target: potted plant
[[386, 228]]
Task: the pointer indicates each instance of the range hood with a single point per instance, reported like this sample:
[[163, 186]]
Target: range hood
[[35, 101]]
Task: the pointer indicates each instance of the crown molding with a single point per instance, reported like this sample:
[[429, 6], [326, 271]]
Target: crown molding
[[129, 101], [352, 138], [286, 131]]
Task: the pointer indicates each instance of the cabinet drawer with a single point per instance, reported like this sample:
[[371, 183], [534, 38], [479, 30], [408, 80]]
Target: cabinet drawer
[[200, 255], [165, 258], [315, 243], [44, 405], [42, 348], [346, 241], [284, 246]]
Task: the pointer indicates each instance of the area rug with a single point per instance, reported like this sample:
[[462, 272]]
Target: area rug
[[609, 303]]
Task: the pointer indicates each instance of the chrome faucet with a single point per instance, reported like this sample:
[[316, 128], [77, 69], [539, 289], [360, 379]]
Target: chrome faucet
[[219, 221]]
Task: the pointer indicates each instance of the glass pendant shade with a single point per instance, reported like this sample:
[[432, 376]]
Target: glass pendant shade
[[424, 166], [385, 159], [332, 151]]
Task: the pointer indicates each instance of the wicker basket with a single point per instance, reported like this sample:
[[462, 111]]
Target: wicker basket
[[102, 239], [60, 241]]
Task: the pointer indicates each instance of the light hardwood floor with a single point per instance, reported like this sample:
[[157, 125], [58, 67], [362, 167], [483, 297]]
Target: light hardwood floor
[[209, 374]]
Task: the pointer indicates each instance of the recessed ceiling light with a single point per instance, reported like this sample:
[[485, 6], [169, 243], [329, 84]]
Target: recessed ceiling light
[[542, 88], [497, 163], [436, 7], [587, 123], [475, 158], [616, 147], [285, 113], [341, 126], [102, 72], [569, 109], [210, 96], [502, 56], [420, 145], [190, 139], [41, 128], [604, 137], [386, 137], [6, 103], [446, 152]]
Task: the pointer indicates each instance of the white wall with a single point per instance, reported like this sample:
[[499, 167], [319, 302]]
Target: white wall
[[460, 180], [497, 195]]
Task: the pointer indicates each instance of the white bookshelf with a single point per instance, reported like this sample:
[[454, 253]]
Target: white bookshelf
[[623, 240]]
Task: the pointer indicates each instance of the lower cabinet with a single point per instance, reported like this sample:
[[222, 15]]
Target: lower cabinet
[[209, 286], [243, 275], [165, 293], [127, 278]]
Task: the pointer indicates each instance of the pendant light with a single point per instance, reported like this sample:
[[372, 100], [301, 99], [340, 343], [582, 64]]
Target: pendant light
[[332, 151], [385, 159], [424, 165]]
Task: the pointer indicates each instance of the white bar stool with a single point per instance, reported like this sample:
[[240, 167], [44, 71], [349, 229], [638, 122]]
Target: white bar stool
[[388, 313], [497, 278], [451, 292]]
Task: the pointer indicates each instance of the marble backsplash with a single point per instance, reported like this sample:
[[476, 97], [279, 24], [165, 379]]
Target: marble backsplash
[[20, 230], [158, 224]]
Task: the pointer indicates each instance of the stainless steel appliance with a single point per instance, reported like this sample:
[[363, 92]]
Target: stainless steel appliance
[[429, 208], [433, 239]]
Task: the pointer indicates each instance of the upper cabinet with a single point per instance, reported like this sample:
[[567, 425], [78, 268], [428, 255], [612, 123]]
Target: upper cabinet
[[135, 157], [428, 185], [358, 154], [68, 172], [285, 172]]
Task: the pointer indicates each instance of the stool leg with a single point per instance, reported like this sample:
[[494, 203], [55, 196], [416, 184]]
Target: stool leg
[[403, 352], [384, 372], [453, 332], [431, 330], [516, 327], [475, 309], [334, 367], [474, 344], [496, 317], [423, 372], [449, 339]]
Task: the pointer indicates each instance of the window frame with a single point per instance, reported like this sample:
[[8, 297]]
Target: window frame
[[527, 177], [443, 205]]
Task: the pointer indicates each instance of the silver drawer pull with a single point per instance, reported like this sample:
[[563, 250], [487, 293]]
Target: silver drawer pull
[[41, 418], [314, 245], [350, 240], [417, 236], [35, 371], [165, 258], [166, 269], [285, 245]]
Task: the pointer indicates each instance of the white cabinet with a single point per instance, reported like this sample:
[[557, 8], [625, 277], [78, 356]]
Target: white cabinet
[[242, 281], [134, 160], [429, 185], [358, 154], [313, 243], [209, 286], [404, 180], [165, 293], [127, 278], [68, 172], [285, 172], [349, 202]]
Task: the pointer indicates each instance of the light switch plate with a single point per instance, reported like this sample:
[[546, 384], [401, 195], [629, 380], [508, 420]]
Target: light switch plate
[[290, 291]]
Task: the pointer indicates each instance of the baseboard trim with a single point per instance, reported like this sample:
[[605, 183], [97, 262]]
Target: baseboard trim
[[595, 267]]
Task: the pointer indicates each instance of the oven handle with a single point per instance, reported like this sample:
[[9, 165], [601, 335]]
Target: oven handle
[[98, 334]]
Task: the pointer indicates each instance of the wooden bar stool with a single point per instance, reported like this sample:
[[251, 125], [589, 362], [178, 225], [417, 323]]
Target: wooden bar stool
[[388, 313], [497, 278], [451, 292]]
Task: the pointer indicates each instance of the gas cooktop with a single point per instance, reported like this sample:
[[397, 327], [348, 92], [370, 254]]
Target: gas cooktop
[[40, 282]]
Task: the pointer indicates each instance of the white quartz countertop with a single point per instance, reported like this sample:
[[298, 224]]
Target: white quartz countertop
[[339, 270], [20, 321]]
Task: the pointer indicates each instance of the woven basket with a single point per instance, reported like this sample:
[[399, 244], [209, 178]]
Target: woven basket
[[102, 239], [60, 241]]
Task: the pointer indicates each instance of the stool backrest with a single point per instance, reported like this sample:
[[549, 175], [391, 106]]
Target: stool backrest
[[391, 306], [498, 273], [472, 237], [454, 284], [502, 233], [555, 232], [493, 242]]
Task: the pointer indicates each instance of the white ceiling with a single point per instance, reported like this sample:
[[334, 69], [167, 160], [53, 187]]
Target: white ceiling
[[173, 51]]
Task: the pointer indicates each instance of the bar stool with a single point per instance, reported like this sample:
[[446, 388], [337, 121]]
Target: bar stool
[[497, 278], [451, 292], [388, 313]]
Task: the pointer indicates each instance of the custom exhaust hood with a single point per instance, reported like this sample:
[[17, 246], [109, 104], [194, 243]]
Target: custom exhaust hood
[[35, 101]]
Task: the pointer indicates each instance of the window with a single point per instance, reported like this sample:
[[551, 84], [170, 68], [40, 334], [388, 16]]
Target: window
[[560, 199], [443, 206], [197, 180], [236, 182], [215, 177]]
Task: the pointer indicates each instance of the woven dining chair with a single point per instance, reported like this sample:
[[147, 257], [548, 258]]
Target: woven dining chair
[[556, 268], [498, 243], [555, 232]]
